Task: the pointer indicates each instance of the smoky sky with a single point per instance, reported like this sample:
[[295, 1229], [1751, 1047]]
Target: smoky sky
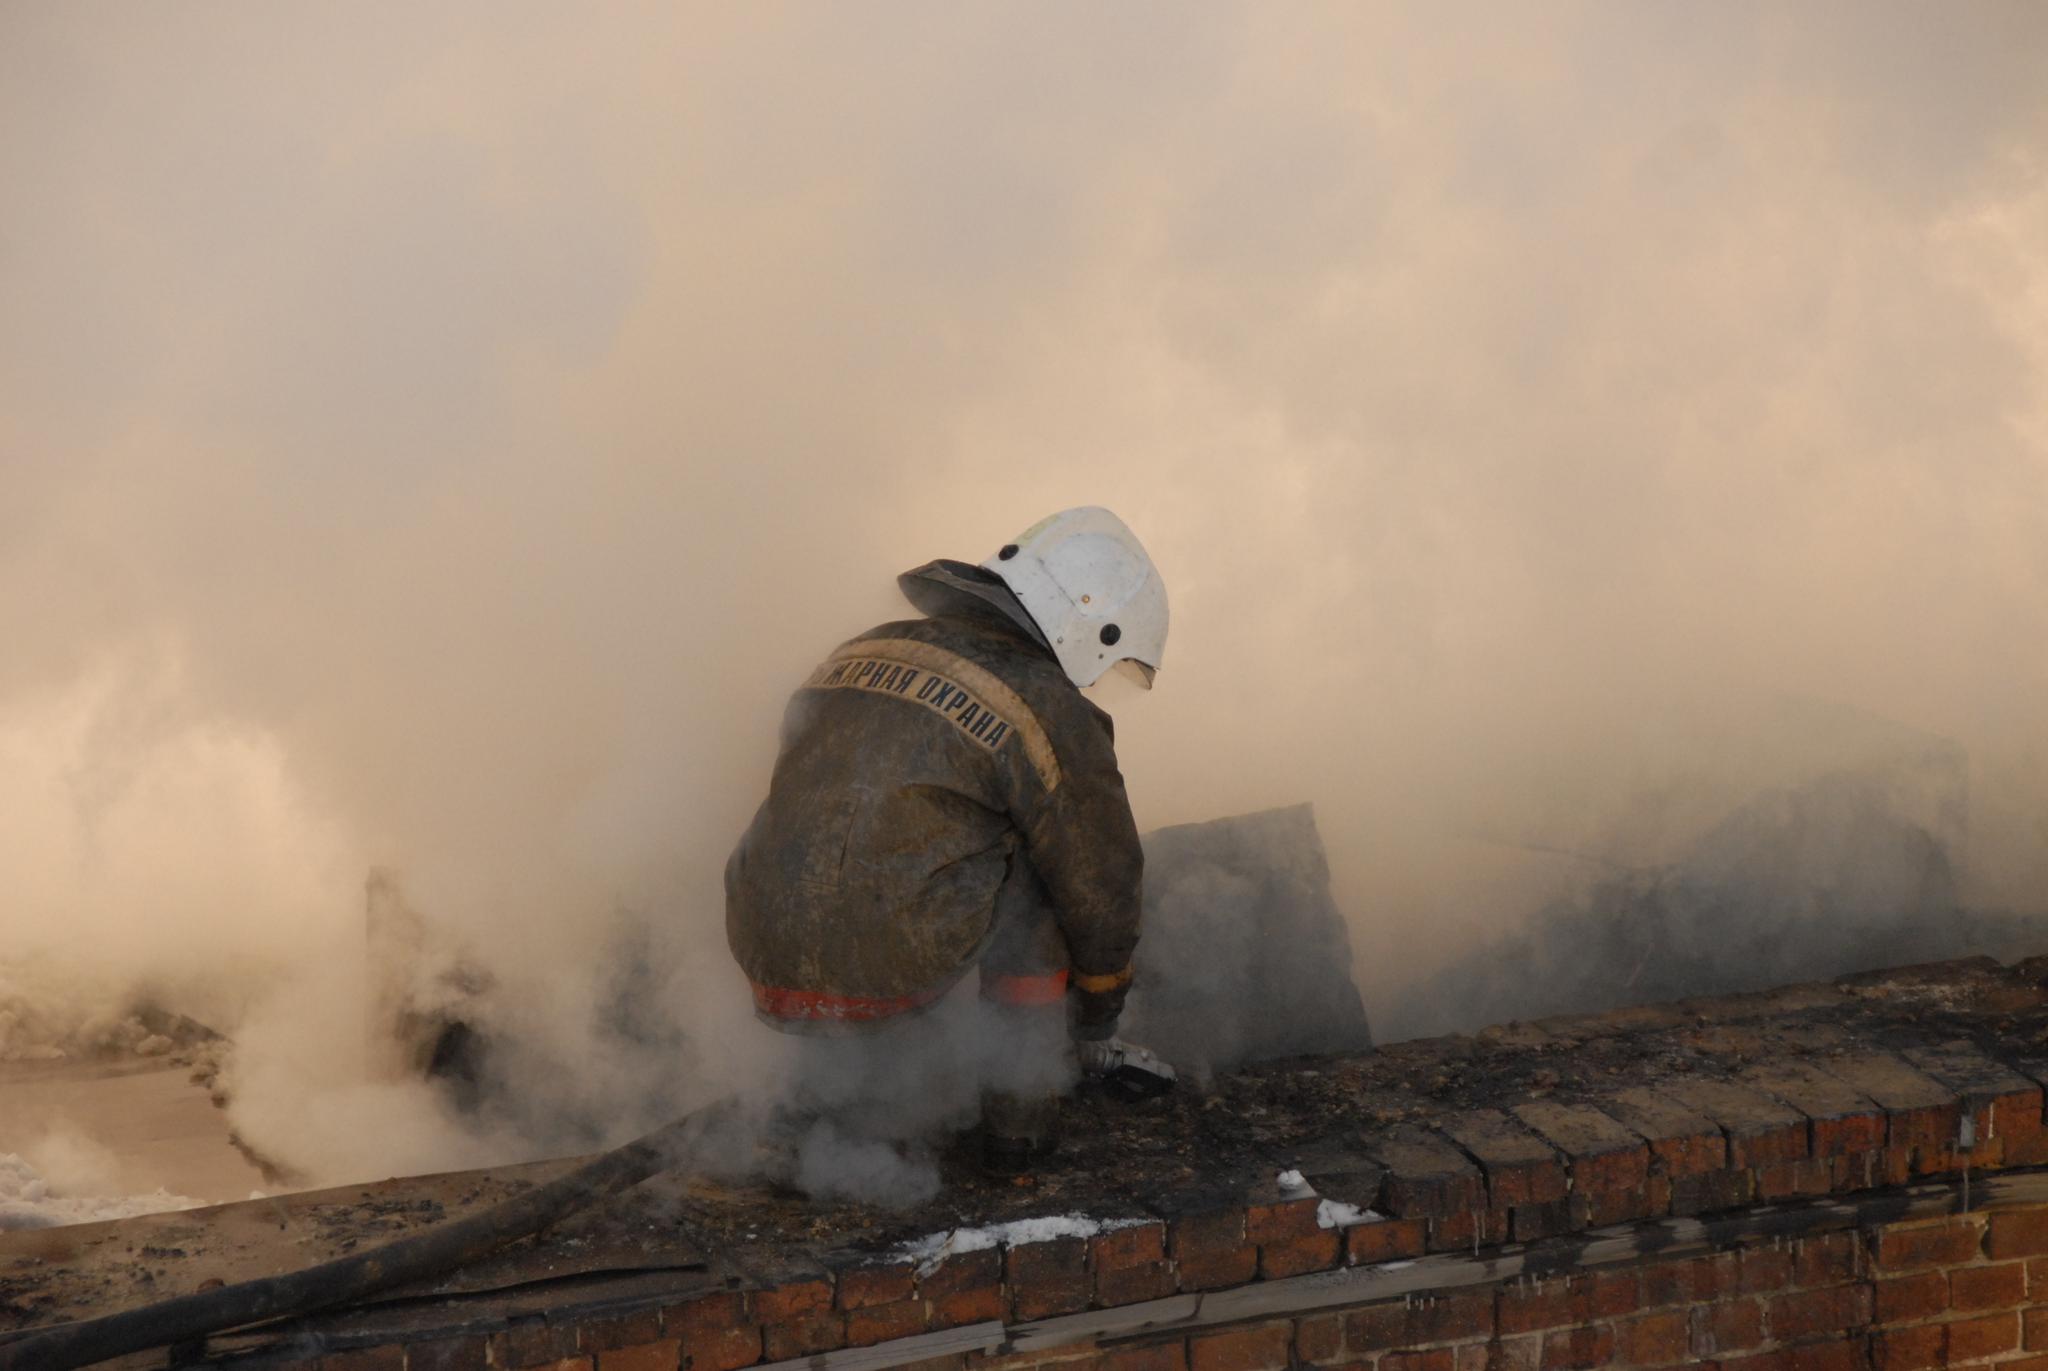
[[440, 436]]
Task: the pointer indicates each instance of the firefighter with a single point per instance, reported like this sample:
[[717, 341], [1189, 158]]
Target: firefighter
[[945, 799]]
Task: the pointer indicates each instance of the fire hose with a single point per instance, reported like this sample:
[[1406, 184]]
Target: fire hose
[[361, 1274]]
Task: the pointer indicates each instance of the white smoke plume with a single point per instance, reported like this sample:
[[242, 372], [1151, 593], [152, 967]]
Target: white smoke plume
[[438, 438]]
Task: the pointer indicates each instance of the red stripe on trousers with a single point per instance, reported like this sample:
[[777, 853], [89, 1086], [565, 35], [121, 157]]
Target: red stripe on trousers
[[1050, 988], [819, 1005]]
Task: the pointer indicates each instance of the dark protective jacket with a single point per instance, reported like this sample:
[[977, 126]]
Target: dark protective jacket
[[919, 762]]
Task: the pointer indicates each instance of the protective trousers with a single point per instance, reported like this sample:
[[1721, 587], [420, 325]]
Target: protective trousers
[[1002, 1054], [1024, 993]]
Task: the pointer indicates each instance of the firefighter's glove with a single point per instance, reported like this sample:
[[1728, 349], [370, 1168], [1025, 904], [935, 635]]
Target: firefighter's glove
[[1126, 1069], [1098, 1001]]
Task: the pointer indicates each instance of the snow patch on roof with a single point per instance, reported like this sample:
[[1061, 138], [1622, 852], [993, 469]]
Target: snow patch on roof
[[1337, 1214], [932, 1249], [27, 1200]]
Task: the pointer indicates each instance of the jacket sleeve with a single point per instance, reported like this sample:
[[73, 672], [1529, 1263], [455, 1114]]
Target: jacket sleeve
[[1083, 843]]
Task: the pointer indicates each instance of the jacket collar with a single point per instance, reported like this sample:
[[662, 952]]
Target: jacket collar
[[947, 587]]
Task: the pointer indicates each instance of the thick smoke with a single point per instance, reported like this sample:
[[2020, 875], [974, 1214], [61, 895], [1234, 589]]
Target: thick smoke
[[436, 440]]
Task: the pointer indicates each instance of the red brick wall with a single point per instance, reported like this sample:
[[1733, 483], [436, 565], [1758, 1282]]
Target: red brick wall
[[1965, 1290], [1830, 1112]]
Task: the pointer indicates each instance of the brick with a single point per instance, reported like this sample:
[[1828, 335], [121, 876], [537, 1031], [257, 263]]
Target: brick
[[709, 1314], [1763, 1269], [1448, 1318], [882, 1283], [1426, 1177], [389, 1358], [1135, 1284], [1369, 1244], [1909, 1349], [1759, 1129], [1985, 1336], [2004, 1106], [873, 1323], [1516, 1354], [533, 1342], [1519, 1167], [1839, 1118], [722, 1349], [1845, 1354], [1319, 1339], [1974, 1288], [792, 1301], [1048, 1278], [1828, 1259], [1785, 1180], [2018, 1233], [1921, 1114], [1467, 1231], [1732, 1325], [1943, 1242], [1667, 1282], [1434, 1359], [1718, 1275], [1868, 1170], [1316, 1251], [1535, 1222], [1210, 1236], [1214, 1273], [1473, 1356], [1578, 1347], [1621, 1204], [800, 1337], [665, 1355], [2027, 1149], [449, 1354], [1376, 1327], [1909, 1298], [1532, 1306], [1607, 1294], [1602, 1154], [964, 1271], [1032, 1361], [1134, 1245], [967, 1306], [1713, 1191], [1809, 1313], [619, 1330], [1281, 1219], [1654, 1339], [1158, 1356], [1656, 1192], [1338, 1169], [2034, 1328], [952, 1362], [1265, 1348], [1682, 1141]]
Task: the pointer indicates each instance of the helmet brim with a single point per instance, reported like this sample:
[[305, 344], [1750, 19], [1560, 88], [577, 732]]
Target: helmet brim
[[1137, 671]]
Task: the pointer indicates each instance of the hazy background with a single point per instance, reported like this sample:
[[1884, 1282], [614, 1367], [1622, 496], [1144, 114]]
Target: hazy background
[[440, 437]]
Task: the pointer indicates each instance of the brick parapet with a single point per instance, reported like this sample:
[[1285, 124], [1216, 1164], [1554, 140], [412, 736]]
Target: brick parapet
[[1727, 1106], [1968, 1289]]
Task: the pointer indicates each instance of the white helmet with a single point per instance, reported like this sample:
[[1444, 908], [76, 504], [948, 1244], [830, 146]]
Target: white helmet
[[1083, 578]]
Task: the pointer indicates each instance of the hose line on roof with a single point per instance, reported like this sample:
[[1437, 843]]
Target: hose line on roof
[[361, 1274]]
